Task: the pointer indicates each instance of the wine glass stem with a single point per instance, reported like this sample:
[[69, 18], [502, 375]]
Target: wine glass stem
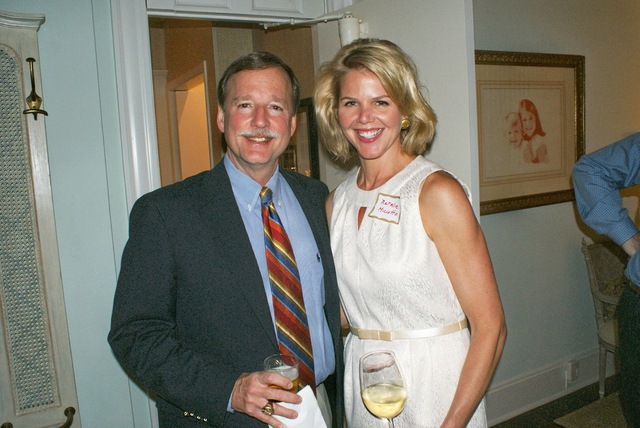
[[390, 423]]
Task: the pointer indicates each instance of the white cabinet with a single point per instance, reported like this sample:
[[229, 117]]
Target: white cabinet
[[248, 10]]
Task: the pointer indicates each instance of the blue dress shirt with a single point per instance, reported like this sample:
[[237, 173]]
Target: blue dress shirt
[[597, 179], [305, 249]]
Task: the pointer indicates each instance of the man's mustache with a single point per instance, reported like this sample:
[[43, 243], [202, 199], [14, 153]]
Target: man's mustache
[[259, 133]]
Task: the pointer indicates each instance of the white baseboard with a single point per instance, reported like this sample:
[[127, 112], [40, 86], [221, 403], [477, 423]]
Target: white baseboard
[[535, 389]]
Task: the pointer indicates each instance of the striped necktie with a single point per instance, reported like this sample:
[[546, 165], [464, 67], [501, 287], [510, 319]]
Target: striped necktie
[[288, 302]]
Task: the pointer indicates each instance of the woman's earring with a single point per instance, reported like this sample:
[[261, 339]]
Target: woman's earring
[[405, 123]]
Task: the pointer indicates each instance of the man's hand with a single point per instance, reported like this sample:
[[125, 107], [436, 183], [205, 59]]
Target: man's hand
[[253, 391]]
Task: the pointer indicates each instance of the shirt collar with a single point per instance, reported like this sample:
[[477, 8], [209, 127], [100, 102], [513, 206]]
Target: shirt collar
[[247, 190]]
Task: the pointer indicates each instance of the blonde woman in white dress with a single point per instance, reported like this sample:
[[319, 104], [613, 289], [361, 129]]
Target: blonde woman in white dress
[[413, 267]]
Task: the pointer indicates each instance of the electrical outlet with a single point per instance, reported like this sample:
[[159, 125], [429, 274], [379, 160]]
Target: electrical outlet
[[572, 371]]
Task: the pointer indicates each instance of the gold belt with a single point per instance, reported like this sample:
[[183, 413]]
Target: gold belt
[[390, 335]]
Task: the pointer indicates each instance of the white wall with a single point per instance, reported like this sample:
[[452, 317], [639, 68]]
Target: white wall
[[438, 35], [536, 252]]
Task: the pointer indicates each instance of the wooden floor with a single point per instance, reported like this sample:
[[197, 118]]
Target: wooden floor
[[543, 416]]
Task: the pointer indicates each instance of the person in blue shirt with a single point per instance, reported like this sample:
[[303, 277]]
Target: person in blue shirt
[[597, 179]]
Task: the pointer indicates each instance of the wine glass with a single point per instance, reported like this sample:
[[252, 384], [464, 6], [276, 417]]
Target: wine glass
[[382, 385]]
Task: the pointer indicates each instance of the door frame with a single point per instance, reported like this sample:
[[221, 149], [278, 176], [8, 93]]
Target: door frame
[[135, 92], [180, 84]]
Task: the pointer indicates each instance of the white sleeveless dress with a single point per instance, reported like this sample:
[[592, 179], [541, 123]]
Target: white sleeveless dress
[[391, 278]]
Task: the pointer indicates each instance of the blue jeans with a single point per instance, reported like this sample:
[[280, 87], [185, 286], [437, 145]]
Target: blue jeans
[[628, 314]]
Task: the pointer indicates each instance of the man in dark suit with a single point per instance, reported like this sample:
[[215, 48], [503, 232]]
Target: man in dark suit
[[193, 314]]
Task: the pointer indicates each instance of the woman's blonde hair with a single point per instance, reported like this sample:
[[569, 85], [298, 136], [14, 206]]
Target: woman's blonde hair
[[399, 77]]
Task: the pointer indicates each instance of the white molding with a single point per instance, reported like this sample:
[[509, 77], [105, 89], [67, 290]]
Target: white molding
[[24, 20], [280, 6], [136, 109], [532, 390], [135, 97], [334, 5], [270, 11]]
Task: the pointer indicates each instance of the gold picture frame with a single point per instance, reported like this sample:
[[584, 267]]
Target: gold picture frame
[[530, 128]]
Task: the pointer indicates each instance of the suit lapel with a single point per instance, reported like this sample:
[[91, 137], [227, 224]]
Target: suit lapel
[[219, 208]]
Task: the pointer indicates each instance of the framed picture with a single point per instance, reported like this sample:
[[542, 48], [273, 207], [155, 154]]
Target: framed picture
[[302, 153], [530, 128]]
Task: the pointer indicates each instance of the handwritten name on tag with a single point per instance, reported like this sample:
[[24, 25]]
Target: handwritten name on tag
[[387, 208]]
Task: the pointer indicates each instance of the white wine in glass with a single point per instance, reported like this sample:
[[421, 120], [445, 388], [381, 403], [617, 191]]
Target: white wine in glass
[[382, 385]]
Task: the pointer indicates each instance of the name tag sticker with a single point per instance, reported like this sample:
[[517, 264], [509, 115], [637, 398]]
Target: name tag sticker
[[387, 208]]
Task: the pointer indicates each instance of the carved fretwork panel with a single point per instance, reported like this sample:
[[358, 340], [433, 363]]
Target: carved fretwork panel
[[37, 387]]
